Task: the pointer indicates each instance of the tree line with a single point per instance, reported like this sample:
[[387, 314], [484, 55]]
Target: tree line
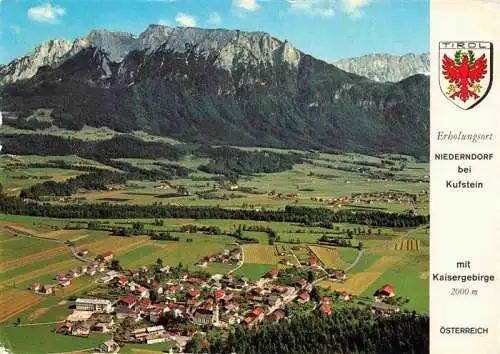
[[13, 205], [349, 330]]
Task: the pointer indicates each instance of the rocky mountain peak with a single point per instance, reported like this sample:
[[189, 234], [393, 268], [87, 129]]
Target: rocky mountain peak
[[252, 48], [116, 44], [386, 67], [47, 53]]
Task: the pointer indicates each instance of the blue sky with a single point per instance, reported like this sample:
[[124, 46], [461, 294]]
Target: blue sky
[[327, 29]]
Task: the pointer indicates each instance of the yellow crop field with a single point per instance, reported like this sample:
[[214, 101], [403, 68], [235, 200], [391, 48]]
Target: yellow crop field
[[407, 245], [116, 244], [263, 254], [356, 284], [383, 263], [13, 302], [328, 255]]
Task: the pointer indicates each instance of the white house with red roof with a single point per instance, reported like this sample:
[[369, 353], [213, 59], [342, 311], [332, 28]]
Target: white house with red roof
[[303, 297], [128, 301], [273, 274], [385, 291], [106, 256]]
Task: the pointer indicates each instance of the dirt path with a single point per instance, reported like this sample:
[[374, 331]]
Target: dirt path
[[241, 262], [356, 261]]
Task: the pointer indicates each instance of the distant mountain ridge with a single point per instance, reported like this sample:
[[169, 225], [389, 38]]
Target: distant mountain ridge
[[117, 45], [386, 67], [216, 87]]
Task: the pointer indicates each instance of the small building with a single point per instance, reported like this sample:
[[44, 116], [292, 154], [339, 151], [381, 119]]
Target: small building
[[80, 330], [303, 297], [47, 289], [94, 305], [220, 294], [381, 308], [385, 291], [142, 292], [253, 317], [65, 283], [203, 316], [65, 328], [145, 303], [236, 254], [257, 291], [109, 346], [338, 275], [127, 301], [344, 295], [273, 274], [104, 257], [104, 325], [35, 287]]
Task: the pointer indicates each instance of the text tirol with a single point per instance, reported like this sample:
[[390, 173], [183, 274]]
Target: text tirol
[[464, 45]]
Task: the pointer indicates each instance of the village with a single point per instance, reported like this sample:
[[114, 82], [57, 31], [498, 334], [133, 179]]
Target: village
[[171, 304], [371, 198]]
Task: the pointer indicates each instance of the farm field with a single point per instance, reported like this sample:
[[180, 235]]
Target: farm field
[[43, 340], [329, 256], [253, 271], [261, 254], [356, 283], [16, 301], [409, 285], [407, 245]]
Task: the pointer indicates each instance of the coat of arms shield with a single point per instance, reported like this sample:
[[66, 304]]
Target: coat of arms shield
[[465, 71]]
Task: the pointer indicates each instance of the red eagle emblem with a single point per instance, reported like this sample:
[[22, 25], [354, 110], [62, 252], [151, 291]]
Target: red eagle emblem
[[464, 74]]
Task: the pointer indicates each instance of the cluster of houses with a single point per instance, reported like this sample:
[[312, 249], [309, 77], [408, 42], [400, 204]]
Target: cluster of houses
[[366, 198], [221, 301], [144, 299], [226, 256], [64, 279]]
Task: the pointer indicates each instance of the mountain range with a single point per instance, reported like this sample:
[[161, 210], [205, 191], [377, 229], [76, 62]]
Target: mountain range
[[216, 87], [386, 67]]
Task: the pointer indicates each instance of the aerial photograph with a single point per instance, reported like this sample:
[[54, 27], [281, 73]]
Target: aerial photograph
[[198, 176]]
